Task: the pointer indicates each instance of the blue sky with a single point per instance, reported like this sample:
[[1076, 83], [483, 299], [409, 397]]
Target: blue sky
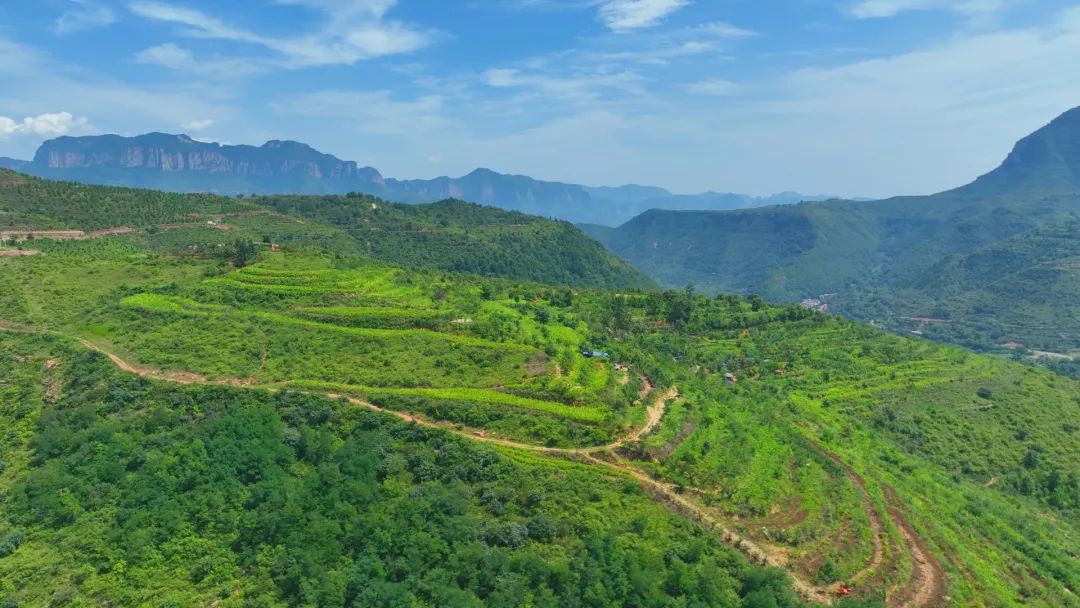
[[851, 97]]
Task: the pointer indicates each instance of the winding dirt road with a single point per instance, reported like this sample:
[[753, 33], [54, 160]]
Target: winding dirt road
[[924, 589]]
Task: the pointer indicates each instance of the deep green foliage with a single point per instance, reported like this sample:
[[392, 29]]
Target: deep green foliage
[[452, 236], [199, 495], [463, 237]]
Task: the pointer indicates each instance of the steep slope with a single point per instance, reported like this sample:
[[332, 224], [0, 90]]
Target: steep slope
[[454, 236], [178, 163], [878, 260], [1045, 162], [1009, 295]]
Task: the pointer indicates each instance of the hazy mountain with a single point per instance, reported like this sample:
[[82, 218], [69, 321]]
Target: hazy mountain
[[881, 258], [178, 163], [14, 164]]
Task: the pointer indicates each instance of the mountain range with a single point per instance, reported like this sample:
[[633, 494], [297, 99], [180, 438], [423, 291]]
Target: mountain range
[[334, 400], [981, 265], [179, 163]]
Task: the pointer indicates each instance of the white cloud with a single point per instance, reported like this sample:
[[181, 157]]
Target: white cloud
[[722, 29], [875, 9], [176, 57], [375, 8], [47, 125], [368, 111], [355, 31], [715, 87], [577, 89], [167, 55], [921, 121], [86, 15], [628, 15], [197, 125], [33, 80]]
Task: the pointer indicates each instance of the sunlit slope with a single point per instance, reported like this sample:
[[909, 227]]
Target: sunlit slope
[[450, 236]]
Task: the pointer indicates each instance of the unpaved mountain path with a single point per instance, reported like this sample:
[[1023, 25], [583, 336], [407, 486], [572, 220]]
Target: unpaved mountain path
[[924, 589], [877, 526]]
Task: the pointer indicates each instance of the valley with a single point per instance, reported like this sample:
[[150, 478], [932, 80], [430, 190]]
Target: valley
[[834, 454], [992, 266], [525, 304]]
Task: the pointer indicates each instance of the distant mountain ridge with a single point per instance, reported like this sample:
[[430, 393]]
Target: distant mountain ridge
[[904, 258], [179, 163]]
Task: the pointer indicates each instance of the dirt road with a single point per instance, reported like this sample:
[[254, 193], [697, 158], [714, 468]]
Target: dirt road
[[924, 589]]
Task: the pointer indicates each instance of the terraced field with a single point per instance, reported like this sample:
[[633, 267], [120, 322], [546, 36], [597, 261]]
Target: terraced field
[[917, 475]]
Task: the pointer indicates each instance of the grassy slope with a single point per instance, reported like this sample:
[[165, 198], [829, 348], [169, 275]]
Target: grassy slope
[[979, 452], [451, 236], [882, 260]]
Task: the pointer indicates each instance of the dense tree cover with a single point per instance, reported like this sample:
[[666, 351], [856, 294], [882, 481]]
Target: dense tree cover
[[36, 203], [132, 493], [452, 235], [463, 237], [1011, 298]]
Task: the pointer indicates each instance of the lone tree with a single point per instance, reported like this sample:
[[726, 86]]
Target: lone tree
[[242, 253]]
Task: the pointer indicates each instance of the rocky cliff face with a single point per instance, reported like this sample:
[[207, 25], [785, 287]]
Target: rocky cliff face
[[181, 154]]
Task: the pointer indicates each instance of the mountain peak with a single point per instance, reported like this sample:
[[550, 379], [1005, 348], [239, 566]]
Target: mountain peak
[[1045, 162], [483, 172], [286, 144]]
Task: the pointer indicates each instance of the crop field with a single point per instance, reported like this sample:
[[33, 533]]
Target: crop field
[[452, 350], [836, 446]]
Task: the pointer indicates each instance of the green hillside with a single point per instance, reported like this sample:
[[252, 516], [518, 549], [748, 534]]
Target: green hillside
[[991, 258], [465, 237], [322, 428], [453, 236]]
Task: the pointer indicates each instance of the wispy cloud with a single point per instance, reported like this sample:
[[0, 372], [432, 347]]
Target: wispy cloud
[[723, 29], [48, 125], [368, 111], [85, 15], [355, 31], [176, 57], [197, 125], [628, 15], [716, 87], [875, 9]]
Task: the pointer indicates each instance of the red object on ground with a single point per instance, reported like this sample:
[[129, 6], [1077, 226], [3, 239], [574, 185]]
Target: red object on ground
[[843, 591]]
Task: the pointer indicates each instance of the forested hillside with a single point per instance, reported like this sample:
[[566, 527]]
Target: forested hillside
[[465, 237], [452, 235], [902, 262], [317, 427]]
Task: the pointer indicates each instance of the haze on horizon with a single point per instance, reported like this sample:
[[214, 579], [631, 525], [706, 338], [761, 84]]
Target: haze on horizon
[[853, 97]]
